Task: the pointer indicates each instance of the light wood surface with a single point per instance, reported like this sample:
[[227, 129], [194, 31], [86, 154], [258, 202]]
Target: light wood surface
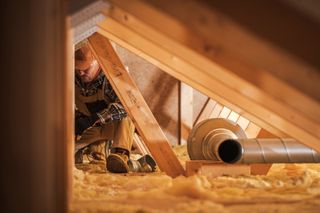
[[186, 111], [215, 168], [206, 110], [137, 141], [37, 110], [273, 104], [136, 106]]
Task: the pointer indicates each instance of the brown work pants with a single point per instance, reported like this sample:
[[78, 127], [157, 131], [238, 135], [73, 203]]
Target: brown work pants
[[121, 132]]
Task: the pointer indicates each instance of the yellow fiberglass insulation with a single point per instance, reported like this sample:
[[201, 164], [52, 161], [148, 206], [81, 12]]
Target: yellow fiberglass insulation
[[286, 188]]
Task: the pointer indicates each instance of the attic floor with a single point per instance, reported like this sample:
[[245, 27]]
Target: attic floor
[[286, 188]]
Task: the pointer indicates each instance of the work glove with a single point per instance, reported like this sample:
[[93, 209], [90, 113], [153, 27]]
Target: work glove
[[114, 112]]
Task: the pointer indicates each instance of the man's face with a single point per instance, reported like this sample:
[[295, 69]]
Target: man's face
[[87, 70]]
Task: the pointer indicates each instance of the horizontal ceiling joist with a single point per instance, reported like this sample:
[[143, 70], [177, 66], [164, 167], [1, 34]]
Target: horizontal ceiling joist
[[245, 87]]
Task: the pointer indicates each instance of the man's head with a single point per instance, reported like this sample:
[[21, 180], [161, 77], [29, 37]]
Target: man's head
[[86, 65]]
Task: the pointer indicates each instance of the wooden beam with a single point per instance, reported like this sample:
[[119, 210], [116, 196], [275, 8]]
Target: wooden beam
[[214, 27], [213, 109], [233, 116], [186, 111], [136, 106], [69, 108], [37, 110], [216, 111], [215, 168], [285, 28], [206, 110], [284, 112], [137, 141], [243, 122], [217, 41], [225, 112], [252, 130]]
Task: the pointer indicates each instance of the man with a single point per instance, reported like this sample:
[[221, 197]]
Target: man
[[99, 116]]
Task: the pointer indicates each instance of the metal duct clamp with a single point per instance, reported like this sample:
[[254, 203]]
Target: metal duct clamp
[[223, 140], [206, 137]]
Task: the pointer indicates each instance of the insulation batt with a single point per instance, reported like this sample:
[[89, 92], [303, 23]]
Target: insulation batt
[[286, 188]]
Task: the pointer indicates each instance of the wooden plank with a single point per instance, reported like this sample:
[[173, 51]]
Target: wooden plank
[[252, 130], [225, 112], [216, 111], [37, 110], [243, 122], [68, 107], [206, 111], [277, 111], [260, 168], [136, 106], [111, 25], [233, 116], [284, 29], [138, 142], [186, 112], [212, 33], [215, 168], [111, 28]]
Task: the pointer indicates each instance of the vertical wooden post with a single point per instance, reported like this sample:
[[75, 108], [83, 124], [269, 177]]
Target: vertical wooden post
[[186, 112], [69, 107], [36, 109]]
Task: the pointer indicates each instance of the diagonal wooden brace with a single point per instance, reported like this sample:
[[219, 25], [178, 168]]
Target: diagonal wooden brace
[[135, 105]]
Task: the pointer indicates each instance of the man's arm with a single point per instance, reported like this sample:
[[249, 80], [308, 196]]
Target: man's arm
[[114, 112], [83, 122]]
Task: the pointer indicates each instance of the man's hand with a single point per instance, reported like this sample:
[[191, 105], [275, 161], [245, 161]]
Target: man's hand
[[103, 116], [83, 122], [114, 112]]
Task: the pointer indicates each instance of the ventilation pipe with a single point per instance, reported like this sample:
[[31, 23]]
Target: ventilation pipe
[[223, 140]]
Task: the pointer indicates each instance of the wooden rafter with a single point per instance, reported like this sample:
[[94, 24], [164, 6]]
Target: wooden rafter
[[186, 111], [140, 145], [206, 111], [249, 89], [136, 106]]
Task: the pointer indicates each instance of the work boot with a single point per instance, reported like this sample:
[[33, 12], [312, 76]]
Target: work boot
[[144, 164], [96, 152], [117, 161], [78, 157]]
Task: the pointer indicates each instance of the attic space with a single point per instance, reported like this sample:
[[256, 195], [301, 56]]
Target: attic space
[[161, 106]]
